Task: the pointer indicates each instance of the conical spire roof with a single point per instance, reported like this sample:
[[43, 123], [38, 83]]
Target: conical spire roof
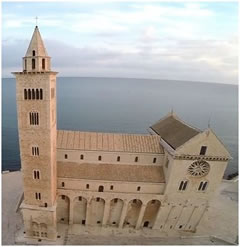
[[36, 45]]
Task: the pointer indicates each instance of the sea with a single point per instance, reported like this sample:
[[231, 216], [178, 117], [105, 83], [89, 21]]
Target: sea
[[125, 105]]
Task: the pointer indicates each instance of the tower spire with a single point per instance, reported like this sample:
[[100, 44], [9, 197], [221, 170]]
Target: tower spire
[[36, 57]]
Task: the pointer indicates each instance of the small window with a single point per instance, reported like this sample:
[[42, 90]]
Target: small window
[[36, 174], [65, 156], [33, 53], [63, 184], [183, 185], [35, 151], [100, 188], [154, 160], [153, 201], [136, 159], [80, 198], [111, 187], [87, 186], [38, 196], [118, 158], [83, 222], [99, 222], [99, 157], [63, 197], [98, 199], [81, 157], [135, 201], [45, 205], [203, 150], [138, 188], [202, 186], [115, 200]]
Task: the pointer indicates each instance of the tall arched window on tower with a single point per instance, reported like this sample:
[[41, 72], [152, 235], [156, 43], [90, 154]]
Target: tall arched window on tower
[[41, 93], [33, 53], [33, 63], [33, 93], [43, 63], [29, 94], [37, 93], [25, 94], [34, 118]]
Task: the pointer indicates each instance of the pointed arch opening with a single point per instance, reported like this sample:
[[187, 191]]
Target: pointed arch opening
[[33, 64], [43, 63], [33, 94]]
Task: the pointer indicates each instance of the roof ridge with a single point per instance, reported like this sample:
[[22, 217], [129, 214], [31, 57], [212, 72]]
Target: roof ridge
[[183, 122]]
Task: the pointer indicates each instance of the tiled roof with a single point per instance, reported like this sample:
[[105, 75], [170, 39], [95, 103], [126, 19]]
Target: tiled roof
[[95, 141], [174, 131], [111, 172]]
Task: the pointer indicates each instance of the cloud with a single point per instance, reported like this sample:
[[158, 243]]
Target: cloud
[[182, 62], [151, 40]]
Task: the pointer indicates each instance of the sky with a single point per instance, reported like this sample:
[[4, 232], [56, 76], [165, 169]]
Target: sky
[[192, 41]]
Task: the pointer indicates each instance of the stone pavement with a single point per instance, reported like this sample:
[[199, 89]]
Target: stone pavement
[[219, 225]]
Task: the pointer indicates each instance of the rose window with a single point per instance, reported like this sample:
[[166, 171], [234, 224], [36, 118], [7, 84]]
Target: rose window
[[199, 168]]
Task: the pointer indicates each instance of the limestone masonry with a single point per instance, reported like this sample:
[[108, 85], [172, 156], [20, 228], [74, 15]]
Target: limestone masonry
[[162, 181]]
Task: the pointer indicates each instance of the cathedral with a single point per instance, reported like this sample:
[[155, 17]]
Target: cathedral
[[163, 180]]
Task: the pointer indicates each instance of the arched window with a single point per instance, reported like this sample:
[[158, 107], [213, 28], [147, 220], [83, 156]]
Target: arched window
[[183, 185], [34, 118], [33, 63], [36, 174], [100, 188], [37, 93], [33, 93], [29, 94], [33, 53], [81, 157], [118, 158], [25, 94], [35, 151], [99, 158], [38, 196], [154, 160], [43, 63], [136, 159], [202, 186], [41, 93]]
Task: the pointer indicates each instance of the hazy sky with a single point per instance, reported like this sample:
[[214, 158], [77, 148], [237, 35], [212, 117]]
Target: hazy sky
[[160, 40]]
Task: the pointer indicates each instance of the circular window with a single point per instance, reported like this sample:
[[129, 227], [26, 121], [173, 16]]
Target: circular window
[[199, 168]]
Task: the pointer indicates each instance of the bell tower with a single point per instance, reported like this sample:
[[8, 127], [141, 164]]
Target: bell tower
[[36, 108]]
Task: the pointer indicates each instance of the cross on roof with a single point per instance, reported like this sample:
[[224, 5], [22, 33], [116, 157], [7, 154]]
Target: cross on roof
[[36, 20]]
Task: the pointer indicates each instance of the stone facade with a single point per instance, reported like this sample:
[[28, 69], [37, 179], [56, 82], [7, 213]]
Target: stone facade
[[162, 181]]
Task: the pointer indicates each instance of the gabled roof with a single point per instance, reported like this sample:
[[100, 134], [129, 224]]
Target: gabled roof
[[36, 44], [110, 142], [174, 131]]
